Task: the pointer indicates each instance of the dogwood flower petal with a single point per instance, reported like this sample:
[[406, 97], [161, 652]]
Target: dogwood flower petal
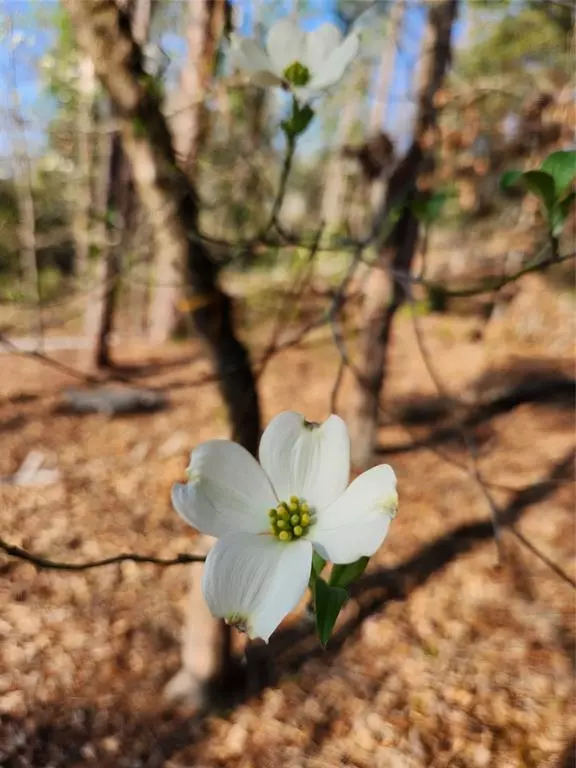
[[311, 461], [356, 524], [249, 58], [286, 44], [333, 68], [319, 44], [227, 490], [255, 581]]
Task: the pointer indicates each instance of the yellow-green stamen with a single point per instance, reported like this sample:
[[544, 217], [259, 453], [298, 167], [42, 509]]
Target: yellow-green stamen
[[297, 74], [290, 520]]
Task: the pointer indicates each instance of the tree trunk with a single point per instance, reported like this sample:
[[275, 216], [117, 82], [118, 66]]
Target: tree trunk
[[382, 96], [386, 67], [118, 209], [206, 20], [169, 198], [336, 177], [188, 125], [82, 223], [400, 245], [23, 183]]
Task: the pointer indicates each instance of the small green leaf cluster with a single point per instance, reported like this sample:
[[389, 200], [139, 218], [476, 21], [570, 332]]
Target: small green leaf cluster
[[428, 210], [331, 595], [298, 121], [551, 183]]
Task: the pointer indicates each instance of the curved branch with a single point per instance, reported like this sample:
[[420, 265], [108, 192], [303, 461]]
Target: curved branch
[[496, 283], [46, 564]]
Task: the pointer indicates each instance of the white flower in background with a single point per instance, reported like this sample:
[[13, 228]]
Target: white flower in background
[[306, 63], [270, 517]]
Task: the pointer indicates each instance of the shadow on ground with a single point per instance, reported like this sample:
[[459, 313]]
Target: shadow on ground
[[129, 739]]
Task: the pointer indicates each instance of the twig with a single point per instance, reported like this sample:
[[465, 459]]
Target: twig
[[298, 285], [46, 564], [470, 444], [491, 284], [47, 360], [541, 556]]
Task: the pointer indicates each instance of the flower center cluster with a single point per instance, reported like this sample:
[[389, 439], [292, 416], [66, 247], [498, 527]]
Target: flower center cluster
[[290, 520], [297, 74]]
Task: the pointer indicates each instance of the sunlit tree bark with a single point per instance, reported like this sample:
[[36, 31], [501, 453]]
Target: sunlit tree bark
[[170, 201], [397, 252], [118, 213]]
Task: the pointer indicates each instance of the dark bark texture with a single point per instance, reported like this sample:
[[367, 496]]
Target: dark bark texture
[[169, 198], [397, 251]]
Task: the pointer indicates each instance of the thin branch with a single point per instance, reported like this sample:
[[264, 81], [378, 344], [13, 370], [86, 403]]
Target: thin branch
[[544, 558], [50, 361], [493, 284], [46, 564], [474, 471], [299, 284]]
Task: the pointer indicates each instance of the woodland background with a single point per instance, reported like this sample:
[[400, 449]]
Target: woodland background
[[170, 272]]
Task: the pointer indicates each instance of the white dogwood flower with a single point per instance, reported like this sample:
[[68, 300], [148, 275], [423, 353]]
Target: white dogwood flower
[[306, 63], [269, 517]]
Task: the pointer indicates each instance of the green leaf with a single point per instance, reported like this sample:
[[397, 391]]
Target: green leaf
[[328, 602], [562, 167], [435, 205], [509, 178], [560, 212], [318, 564], [429, 210], [298, 121], [542, 185], [343, 575]]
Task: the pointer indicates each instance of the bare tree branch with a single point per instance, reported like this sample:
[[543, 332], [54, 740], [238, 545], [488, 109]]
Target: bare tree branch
[[470, 444], [46, 564], [496, 283]]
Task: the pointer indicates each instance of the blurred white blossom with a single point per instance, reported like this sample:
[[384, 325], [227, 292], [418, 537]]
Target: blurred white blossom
[[306, 63]]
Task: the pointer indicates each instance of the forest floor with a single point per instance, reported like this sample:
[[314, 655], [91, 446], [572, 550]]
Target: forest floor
[[442, 659]]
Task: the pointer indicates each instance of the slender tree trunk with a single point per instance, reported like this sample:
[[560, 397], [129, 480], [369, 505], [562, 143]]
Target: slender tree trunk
[[119, 207], [386, 67], [25, 204], [206, 641], [336, 178], [398, 250], [206, 20], [170, 200], [381, 100], [188, 125], [82, 220], [24, 198]]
